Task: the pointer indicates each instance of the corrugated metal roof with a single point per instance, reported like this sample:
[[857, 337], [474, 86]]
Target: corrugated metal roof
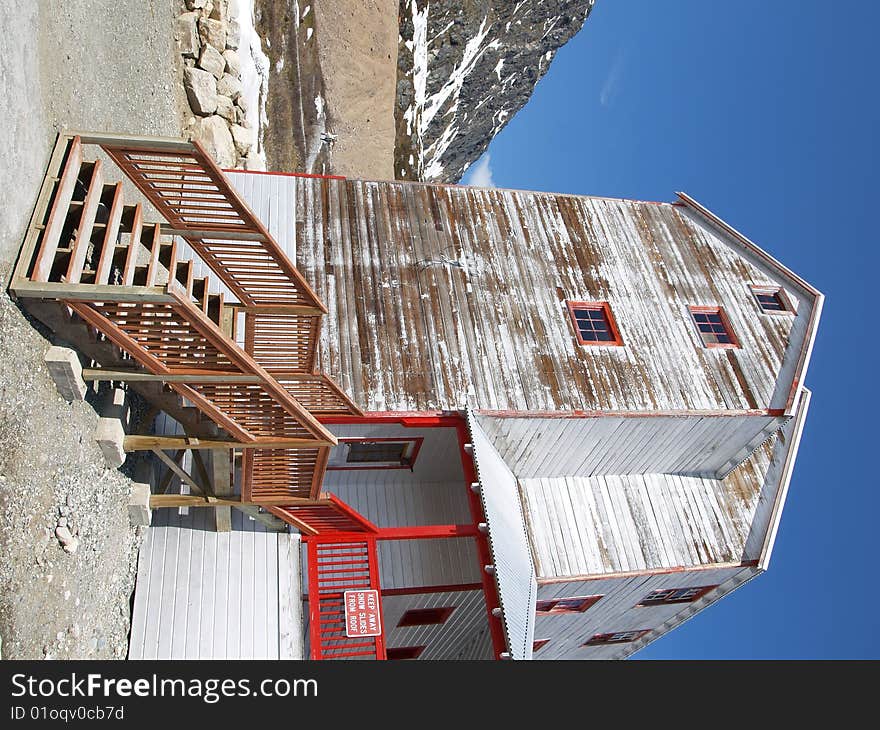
[[508, 542]]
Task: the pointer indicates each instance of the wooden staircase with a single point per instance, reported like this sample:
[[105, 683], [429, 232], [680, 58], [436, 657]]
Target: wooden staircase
[[122, 287]]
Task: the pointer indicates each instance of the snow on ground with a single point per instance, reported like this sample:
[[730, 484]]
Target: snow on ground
[[254, 77]]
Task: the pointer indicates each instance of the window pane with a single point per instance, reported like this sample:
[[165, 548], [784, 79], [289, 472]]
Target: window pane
[[376, 451]]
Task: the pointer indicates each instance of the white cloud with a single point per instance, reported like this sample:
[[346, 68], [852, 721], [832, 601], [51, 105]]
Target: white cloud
[[479, 175], [612, 80]]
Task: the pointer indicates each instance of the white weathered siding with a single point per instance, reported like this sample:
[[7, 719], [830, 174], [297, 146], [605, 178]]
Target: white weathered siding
[[617, 610], [438, 562], [444, 297], [202, 594], [508, 543], [692, 445], [432, 493], [622, 523], [463, 635]]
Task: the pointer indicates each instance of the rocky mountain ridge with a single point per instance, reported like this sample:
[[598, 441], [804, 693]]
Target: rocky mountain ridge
[[465, 67]]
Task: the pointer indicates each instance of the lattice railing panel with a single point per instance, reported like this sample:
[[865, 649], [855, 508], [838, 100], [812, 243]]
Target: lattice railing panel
[[192, 193], [274, 476], [335, 567], [162, 333], [318, 393], [282, 341], [328, 515]]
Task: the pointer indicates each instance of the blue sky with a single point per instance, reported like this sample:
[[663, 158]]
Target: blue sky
[[768, 114]]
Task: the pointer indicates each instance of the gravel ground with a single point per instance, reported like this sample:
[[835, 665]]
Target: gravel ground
[[108, 65]]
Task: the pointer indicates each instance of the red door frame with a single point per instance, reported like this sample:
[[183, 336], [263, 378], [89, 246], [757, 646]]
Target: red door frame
[[445, 419]]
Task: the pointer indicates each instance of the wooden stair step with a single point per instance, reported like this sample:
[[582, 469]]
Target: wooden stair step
[[62, 197], [134, 239], [153, 244], [214, 308], [84, 229], [111, 235]]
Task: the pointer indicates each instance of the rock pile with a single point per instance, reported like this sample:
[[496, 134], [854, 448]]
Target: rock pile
[[208, 36]]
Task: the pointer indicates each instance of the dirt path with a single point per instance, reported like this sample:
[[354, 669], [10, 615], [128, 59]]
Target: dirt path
[[105, 65], [357, 53]]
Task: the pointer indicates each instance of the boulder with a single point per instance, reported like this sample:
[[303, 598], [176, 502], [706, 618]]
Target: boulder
[[229, 86], [241, 117], [214, 135], [212, 61], [201, 90], [243, 138], [225, 108], [188, 35], [219, 11], [195, 4], [213, 32], [233, 34], [233, 62]]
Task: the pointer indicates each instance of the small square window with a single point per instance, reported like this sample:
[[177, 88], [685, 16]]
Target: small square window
[[539, 644], [714, 327], [575, 604], [674, 595], [594, 323], [617, 637], [404, 652], [425, 616], [772, 300]]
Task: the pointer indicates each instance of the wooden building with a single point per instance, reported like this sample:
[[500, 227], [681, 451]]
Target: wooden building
[[537, 425]]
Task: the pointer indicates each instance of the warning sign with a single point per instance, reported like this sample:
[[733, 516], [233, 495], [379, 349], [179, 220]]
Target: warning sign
[[362, 613]]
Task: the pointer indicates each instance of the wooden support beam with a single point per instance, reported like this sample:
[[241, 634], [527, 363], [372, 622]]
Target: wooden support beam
[[132, 376], [149, 443], [200, 500], [165, 482], [180, 471], [214, 235], [278, 309], [93, 292], [221, 473]]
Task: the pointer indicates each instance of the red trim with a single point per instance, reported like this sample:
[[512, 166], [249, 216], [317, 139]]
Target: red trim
[[539, 644], [725, 322], [490, 590], [603, 639], [425, 616], [432, 589], [426, 532], [632, 414], [657, 571], [603, 307], [404, 652], [781, 297], [656, 597], [447, 419], [550, 606], [417, 441], [285, 174], [425, 419]]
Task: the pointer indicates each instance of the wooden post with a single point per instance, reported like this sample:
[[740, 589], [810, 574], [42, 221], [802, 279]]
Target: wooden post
[[220, 478]]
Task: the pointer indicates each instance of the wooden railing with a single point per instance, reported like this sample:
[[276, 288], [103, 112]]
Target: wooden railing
[[336, 566]]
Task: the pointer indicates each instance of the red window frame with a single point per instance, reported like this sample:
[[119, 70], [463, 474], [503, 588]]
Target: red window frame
[[416, 441], [667, 596], [605, 308], [568, 605], [725, 323], [404, 652], [616, 637], [426, 616], [539, 644], [772, 291]]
